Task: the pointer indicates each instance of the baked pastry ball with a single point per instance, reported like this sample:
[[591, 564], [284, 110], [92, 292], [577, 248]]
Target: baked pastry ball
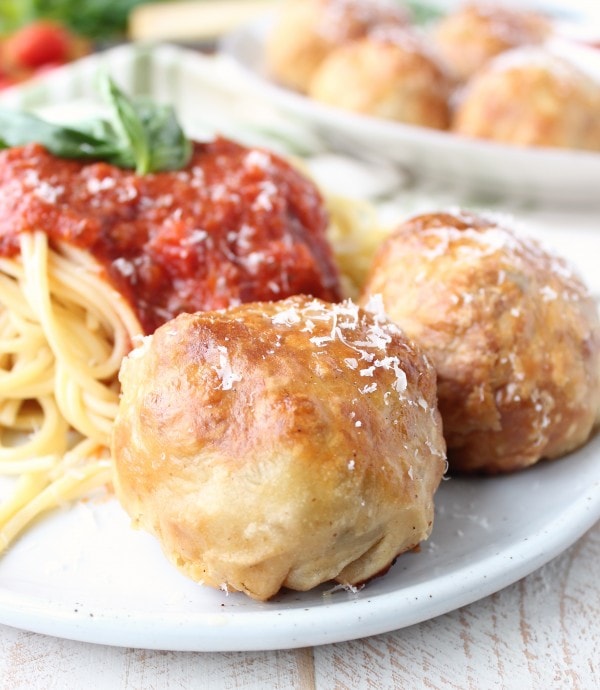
[[513, 333], [476, 32], [388, 74], [529, 97], [305, 31], [279, 444]]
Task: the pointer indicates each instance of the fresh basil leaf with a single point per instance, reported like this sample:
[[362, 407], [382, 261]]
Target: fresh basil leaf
[[20, 128], [141, 135], [149, 131], [130, 127], [170, 149]]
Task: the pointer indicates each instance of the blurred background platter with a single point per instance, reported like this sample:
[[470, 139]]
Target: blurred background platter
[[541, 174]]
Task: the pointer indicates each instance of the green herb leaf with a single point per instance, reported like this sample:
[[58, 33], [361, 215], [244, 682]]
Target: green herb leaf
[[130, 128], [170, 149], [20, 128], [99, 20], [141, 135]]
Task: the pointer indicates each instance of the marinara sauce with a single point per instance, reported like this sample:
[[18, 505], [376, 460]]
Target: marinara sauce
[[236, 225]]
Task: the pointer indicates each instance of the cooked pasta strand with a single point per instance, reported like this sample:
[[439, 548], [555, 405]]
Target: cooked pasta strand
[[64, 331]]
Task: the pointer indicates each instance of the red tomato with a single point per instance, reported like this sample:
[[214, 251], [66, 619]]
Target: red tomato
[[37, 44], [6, 81]]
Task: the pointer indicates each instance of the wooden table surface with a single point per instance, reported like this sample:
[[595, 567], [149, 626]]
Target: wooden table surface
[[542, 632]]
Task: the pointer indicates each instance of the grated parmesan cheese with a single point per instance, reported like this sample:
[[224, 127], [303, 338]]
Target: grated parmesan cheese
[[342, 322], [289, 317], [224, 371]]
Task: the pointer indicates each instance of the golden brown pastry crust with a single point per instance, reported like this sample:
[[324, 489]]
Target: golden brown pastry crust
[[306, 31], [530, 97], [388, 74], [513, 333], [468, 38], [279, 444]]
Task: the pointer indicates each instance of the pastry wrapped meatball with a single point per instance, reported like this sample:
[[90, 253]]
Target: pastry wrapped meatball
[[530, 97], [279, 444], [388, 74], [513, 333], [468, 38], [307, 30]]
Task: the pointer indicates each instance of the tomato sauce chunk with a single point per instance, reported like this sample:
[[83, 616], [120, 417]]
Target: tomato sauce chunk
[[236, 225]]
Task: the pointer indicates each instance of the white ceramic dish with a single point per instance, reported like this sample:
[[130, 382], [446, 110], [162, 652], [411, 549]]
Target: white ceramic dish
[[84, 574], [487, 167]]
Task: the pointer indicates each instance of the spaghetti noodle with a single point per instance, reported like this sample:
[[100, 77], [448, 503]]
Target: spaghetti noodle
[[63, 333]]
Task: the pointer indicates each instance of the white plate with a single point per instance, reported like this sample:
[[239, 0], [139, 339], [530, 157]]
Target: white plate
[[84, 574], [488, 167]]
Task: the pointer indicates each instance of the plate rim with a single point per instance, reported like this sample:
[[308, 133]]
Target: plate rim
[[233, 629]]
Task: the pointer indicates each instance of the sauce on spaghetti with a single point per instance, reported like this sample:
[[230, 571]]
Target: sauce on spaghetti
[[236, 225]]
